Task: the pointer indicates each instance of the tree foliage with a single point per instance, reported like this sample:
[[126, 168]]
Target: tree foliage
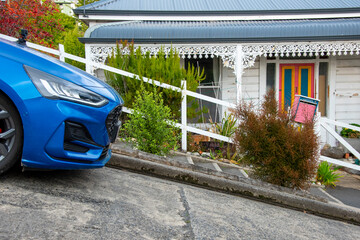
[[43, 20], [166, 69], [81, 2], [74, 46]]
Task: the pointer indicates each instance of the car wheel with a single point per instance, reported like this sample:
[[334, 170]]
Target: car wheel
[[11, 134]]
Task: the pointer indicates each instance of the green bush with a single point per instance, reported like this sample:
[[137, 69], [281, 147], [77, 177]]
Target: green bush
[[349, 133], [73, 46], [280, 151], [326, 175], [67, 22], [166, 69], [150, 127]]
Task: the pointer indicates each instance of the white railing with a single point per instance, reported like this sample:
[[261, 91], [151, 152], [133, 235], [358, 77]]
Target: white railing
[[328, 125], [184, 92]]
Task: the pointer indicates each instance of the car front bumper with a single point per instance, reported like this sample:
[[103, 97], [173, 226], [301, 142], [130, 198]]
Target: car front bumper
[[68, 135]]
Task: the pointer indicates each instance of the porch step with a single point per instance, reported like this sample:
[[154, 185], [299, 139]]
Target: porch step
[[179, 158], [234, 171], [204, 164]]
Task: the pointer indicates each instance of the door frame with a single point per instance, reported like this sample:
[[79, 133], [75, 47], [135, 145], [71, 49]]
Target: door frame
[[330, 88], [296, 80]]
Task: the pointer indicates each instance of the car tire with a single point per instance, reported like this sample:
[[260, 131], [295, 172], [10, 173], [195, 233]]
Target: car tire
[[11, 135]]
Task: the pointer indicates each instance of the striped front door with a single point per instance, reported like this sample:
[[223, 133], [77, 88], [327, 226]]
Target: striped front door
[[295, 79]]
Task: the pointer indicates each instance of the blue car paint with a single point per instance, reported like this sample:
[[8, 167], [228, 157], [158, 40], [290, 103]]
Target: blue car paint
[[45, 63], [44, 119]]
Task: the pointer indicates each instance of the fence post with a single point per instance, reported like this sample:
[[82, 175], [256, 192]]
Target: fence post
[[61, 52], [317, 130], [239, 68], [183, 116], [88, 65]]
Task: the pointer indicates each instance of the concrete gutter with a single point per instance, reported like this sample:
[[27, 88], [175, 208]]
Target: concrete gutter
[[299, 200]]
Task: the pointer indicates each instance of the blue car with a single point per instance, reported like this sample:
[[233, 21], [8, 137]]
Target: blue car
[[53, 115]]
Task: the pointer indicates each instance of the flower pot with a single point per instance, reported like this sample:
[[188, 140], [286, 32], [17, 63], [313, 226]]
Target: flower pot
[[199, 138]]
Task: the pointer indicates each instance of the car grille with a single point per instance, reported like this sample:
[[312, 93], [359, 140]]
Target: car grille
[[113, 123], [75, 134], [104, 152]]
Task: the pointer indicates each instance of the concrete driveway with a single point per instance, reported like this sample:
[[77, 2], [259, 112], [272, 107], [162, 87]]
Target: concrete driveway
[[347, 190], [114, 204]]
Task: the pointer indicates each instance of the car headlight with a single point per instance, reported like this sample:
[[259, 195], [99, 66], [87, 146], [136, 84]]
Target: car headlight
[[53, 87]]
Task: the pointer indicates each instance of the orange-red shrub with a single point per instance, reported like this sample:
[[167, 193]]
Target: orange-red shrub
[[280, 151]]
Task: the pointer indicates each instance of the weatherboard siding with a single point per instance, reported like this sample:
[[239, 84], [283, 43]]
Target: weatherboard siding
[[250, 84], [347, 85]]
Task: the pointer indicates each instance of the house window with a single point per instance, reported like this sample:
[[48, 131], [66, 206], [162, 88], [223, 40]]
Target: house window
[[270, 76], [323, 89], [209, 87]]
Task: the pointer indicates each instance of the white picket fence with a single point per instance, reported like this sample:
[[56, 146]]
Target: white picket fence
[[329, 125], [184, 92]]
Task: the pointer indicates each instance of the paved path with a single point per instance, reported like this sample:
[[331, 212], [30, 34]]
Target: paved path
[[347, 191], [114, 204]]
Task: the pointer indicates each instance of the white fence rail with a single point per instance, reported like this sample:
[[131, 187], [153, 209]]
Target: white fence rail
[[185, 128], [328, 125], [184, 92]]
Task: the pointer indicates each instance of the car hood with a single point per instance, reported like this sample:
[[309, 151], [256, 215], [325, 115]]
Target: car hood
[[45, 63]]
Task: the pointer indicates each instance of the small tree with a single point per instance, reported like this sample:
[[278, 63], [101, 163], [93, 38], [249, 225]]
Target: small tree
[[44, 21], [280, 151], [149, 127], [166, 69]]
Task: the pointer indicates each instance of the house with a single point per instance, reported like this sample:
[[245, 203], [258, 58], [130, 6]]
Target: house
[[246, 46], [66, 6]]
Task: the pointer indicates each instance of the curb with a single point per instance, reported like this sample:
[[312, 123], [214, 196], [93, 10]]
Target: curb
[[234, 186]]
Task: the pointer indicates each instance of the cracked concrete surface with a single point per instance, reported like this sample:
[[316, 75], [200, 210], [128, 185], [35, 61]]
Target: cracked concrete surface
[[185, 214], [115, 204]]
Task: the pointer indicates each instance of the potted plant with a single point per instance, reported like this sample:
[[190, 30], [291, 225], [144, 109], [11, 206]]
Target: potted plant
[[227, 128]]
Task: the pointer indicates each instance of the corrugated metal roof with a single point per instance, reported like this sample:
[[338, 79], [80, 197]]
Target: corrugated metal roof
[[113, 6], [225, 31]]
